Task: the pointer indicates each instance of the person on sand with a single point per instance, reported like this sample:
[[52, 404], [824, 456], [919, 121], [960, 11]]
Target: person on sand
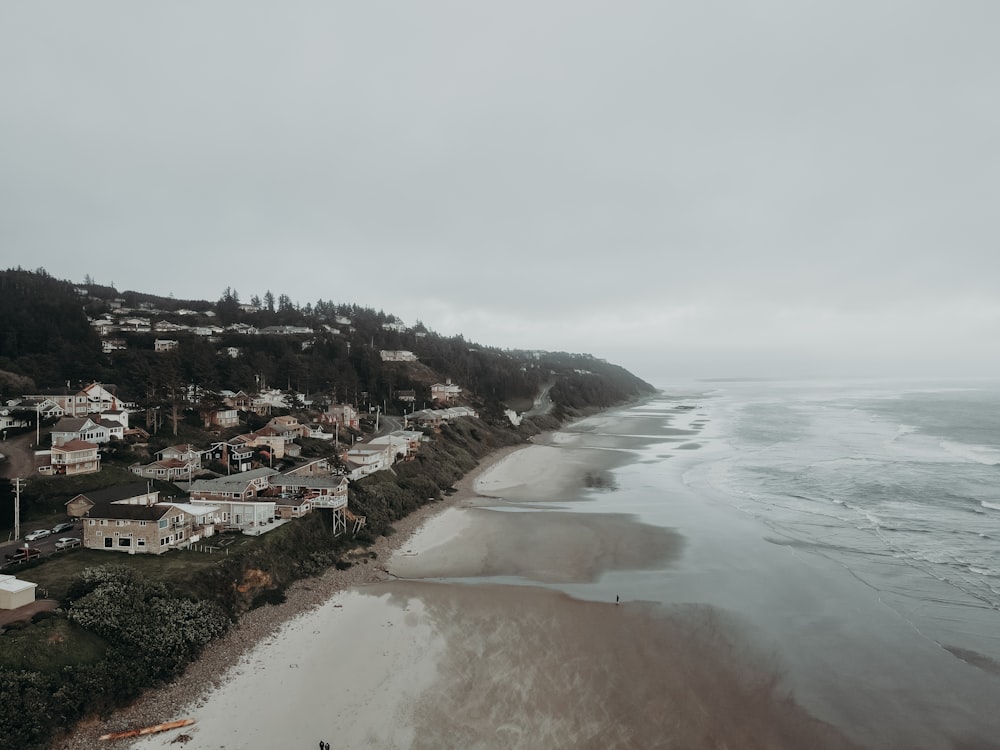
[[616, 598]]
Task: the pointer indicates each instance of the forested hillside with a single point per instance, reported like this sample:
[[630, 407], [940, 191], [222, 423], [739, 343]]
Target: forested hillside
[[46, 336]]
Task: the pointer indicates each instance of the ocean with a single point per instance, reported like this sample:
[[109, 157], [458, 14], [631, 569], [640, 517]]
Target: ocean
[[751, 564], [851, 526]]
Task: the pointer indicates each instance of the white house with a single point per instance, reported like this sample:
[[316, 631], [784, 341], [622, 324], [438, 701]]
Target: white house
[[15, 593]]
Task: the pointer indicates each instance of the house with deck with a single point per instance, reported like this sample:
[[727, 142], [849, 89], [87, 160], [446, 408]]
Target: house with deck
[[240, 500], [74, 457], [144, 529]]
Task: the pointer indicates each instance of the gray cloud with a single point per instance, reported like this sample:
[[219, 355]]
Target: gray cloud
[[761, 188]]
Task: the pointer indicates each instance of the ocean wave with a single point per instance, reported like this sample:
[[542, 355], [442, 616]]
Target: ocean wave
[[987, 504], [902, 431], [980, 454]]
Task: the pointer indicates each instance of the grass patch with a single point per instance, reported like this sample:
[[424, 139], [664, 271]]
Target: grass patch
[[55, 573], [49, 645]]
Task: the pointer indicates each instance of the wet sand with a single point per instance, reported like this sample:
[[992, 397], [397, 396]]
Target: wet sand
[[439, 664]]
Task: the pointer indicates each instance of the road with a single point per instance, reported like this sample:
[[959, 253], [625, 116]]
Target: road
[[20, 455], [47, 546], [543, 402]]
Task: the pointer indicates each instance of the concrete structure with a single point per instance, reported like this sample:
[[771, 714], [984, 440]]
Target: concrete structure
[[15, 593]]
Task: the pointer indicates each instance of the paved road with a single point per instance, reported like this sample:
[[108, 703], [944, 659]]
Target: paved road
[[47, 546]]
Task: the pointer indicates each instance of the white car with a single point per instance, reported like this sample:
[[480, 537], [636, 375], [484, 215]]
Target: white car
[[35, 535], [67, 542]]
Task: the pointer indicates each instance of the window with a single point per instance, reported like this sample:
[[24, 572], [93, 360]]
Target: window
[[142, 523], [163, 523], [108, 542], [125, 541], [140, 542]]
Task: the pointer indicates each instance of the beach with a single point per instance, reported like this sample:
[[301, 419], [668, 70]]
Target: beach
[[593, 589]]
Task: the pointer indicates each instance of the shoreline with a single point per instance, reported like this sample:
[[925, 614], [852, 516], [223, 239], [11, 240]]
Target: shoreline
[[212, 668]]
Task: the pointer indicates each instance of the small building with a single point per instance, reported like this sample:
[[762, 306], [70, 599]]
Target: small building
[[165, 345], [15, 593], [445, 392], [390, 355], [75, 457]]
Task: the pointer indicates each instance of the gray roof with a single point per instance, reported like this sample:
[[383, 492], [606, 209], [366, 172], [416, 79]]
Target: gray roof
[[116, 493], [231, 483], [126, 512]]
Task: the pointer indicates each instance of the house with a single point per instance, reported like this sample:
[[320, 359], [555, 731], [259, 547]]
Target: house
[[225, 418], [15, 593], [325, 492], [247, 485], [425, 418], [397, 356], [315, 431], [402, 444], [267, 400], [167, 471], [445, 392], [184, 453], [239, 501], [235, 454], [165, 326], [136, 325], [286, 330], [75, 457], [136, 493], [240, 400], [164, 345], [113, 345], [344, 415], [362, 461], [454, 412], [11, 420], [173, 463], [141, 529], [79, 428], [298, 495], [103, 398], [72, 403], [109, 417]]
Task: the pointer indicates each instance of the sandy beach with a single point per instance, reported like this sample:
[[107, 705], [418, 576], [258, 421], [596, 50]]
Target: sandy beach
[[463, 640], [221, 662]]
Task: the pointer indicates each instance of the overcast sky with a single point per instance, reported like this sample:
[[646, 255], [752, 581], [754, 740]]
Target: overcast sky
[[688, 189]]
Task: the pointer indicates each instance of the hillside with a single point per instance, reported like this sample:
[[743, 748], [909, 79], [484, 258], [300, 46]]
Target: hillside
[[58, 334]]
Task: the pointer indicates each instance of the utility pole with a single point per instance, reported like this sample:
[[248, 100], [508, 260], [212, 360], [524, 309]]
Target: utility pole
[[17, 509]]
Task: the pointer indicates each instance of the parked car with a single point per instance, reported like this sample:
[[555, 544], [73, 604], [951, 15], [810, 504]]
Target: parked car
[[35, 535], [67, 542], [23, 554], [64, 526]]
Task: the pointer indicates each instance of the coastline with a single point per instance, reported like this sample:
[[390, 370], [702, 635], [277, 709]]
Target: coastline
[[212, 669]]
